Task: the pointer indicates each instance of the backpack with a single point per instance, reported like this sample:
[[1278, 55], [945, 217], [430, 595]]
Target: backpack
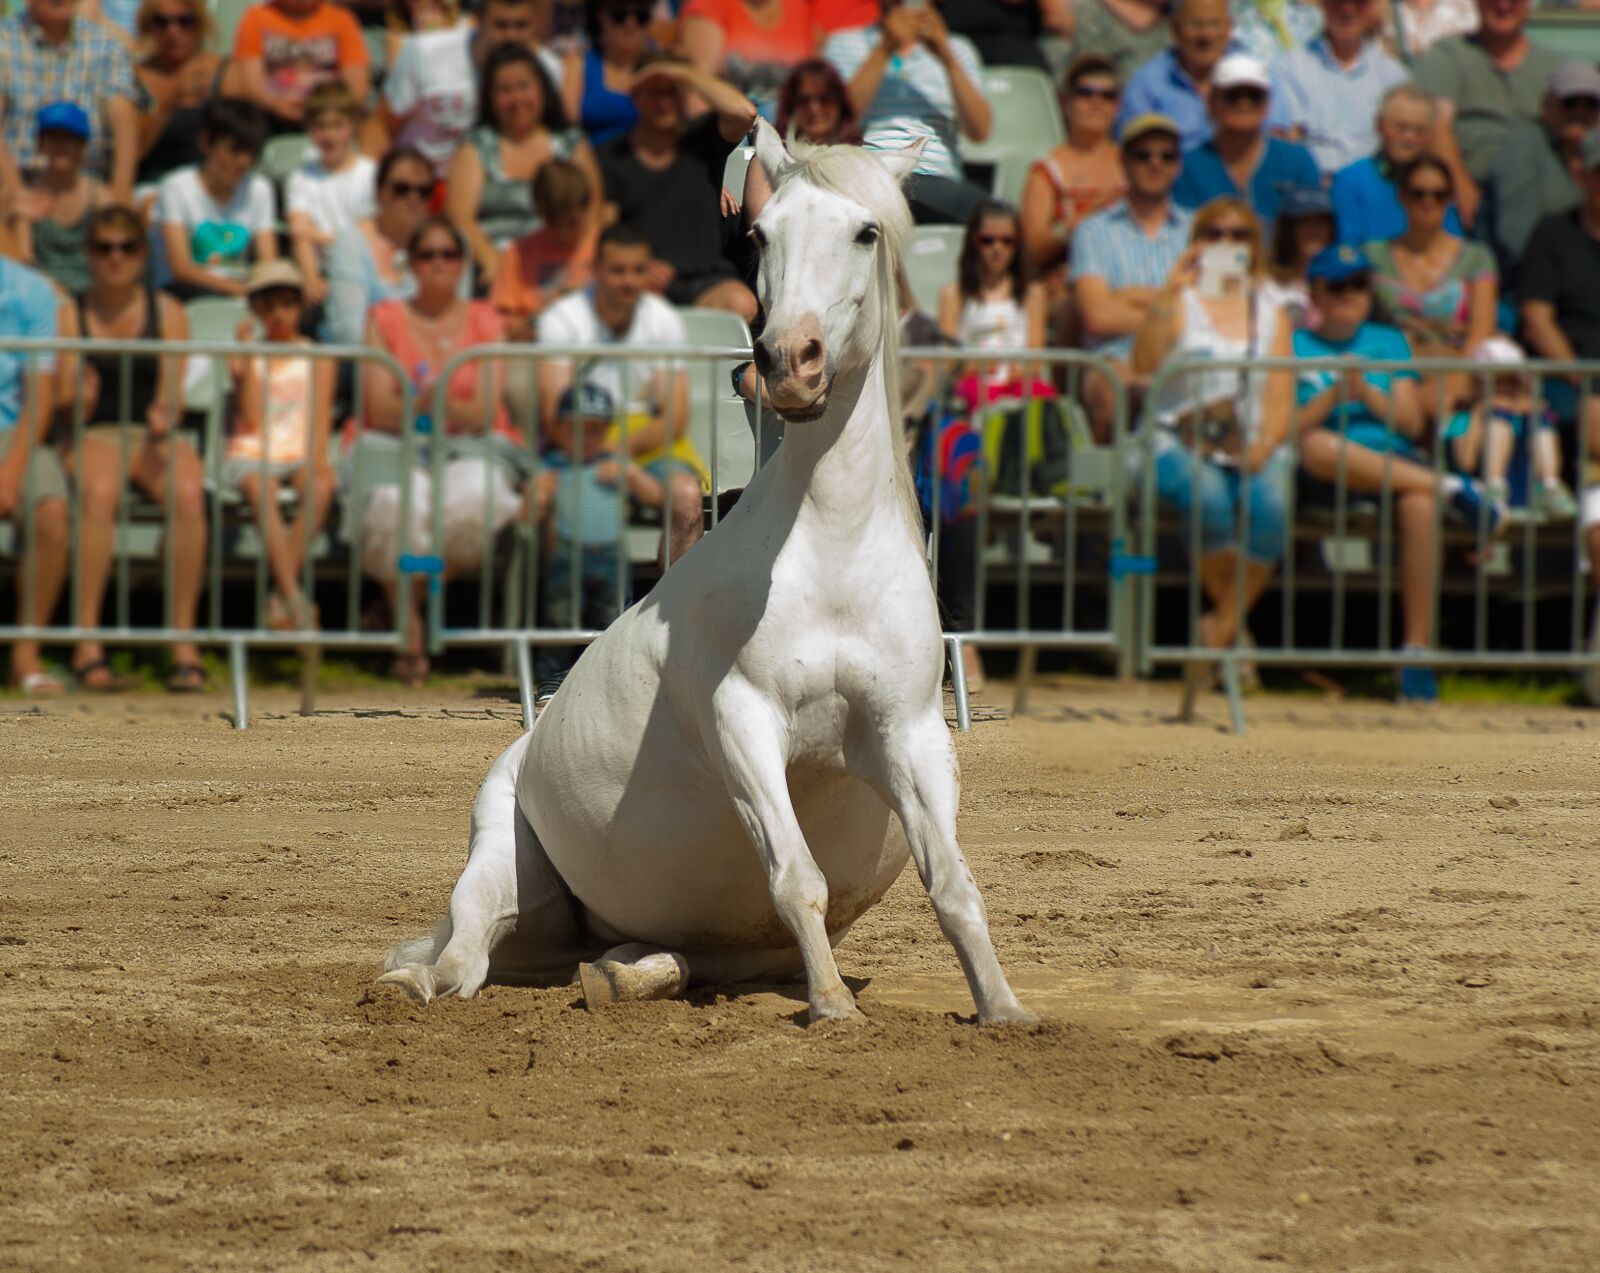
[[960, 468], [1028, 447]]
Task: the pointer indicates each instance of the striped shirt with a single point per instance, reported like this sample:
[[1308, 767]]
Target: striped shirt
[[914, 100], [89, 67], [1111, 245]]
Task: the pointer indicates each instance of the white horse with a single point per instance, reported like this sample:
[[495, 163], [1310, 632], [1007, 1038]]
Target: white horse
[[709, 792]]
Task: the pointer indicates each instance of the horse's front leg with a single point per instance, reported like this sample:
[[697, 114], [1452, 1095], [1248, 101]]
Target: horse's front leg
[[754, 766], [921, 783]]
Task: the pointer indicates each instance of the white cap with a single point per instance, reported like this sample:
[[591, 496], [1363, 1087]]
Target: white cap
[[1499, 351], [1239, 69]]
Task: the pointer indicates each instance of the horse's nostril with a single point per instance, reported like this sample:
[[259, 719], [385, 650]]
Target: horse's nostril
[[763, 358], [810, 353]]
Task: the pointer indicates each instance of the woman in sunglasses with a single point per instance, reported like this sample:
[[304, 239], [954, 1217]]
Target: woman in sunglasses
[[176, 79], [994, 304], [814, 103], [1221, 440], [423, 334], [367, 262], [597, 85]]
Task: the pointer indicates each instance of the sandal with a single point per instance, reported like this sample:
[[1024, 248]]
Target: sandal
[[186, 678], [411, 670], [40, 685], [96, 677]]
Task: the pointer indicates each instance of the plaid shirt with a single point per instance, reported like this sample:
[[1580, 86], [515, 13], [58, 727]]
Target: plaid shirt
[[1110, 244], [91, 66]]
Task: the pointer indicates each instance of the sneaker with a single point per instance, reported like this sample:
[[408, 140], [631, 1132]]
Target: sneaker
[[1474, 505], [1418, 684], [1553, 501], [543, 695]]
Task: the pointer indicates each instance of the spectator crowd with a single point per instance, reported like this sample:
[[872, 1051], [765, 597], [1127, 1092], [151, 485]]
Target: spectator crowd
[[1237, 179]]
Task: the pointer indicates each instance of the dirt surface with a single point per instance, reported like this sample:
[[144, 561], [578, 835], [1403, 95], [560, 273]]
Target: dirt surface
[[1324, 997]]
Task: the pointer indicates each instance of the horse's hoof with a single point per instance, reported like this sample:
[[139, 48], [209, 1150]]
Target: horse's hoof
[[415, 979], [840, 1007], [663, 975], [1016, 1015]]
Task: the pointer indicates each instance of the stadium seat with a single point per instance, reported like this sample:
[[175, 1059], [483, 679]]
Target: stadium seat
[[225, 15], [713, 406], [1011, 176], [931, 262], [1027, 116], [733, 171], [210, 318], [284, 156]]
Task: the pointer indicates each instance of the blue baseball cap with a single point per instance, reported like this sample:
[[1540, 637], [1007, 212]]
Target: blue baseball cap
[[63, 117], [1337, 262], [586, 401], [1306, 201]]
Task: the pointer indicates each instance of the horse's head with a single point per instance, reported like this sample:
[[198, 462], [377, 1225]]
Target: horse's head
[[826, 296]]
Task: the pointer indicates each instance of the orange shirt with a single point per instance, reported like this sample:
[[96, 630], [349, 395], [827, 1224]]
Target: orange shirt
[[536, 270], [299, 53], [786, 43]]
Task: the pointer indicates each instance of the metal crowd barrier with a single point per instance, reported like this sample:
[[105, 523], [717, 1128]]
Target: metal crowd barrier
[[1467, 566], [232, 538]]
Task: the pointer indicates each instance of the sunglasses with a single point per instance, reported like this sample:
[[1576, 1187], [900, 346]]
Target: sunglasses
[[428, 255], [1089, 91], [174, 21], [1347, 286], [1228, 234], [116, 247], [1581, 104], [1237, 96], [1428, 194], [815, 99], [410, 190], [639, 16], [1153, 155]]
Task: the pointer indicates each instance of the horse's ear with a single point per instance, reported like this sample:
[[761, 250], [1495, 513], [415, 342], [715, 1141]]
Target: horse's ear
[[771, 152], [902, 163]]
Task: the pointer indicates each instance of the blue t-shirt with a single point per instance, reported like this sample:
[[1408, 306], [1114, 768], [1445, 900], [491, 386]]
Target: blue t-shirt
[[1285, 166], [29, 309], [1372, 340], [586, 509], [1366, 206]]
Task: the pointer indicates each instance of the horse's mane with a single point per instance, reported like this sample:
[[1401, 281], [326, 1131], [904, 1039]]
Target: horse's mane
[[854, 173]]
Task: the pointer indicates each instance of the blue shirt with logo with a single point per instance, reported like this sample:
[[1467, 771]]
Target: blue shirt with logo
[[28, 308]]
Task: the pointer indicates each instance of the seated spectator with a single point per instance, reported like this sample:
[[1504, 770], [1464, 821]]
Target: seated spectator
[[1484, 84], [1240, 159], [1369, 426], [994, 304], [813, 105], [580, 504], [1415, 26], [1366, 205], [122, 15], [284, 48], [130, 408], [1506, 424], [50, 56], [1333, 86], [1079, 177], [1122, 256], [57, 204], [597, 84], [1006, 33], [1127, 33], [1273, 29], [367, 262], [1221, 440], [489, 184], [212, 219], [654, 396], [406, 18], [935, 91], [423, 334], [750, 43], [283, 414], [176, 78], [33, 487], [1178, 82], [1539, 168], [334, 188], [1440, 289], [555, 259], [430, 95], [665, 177], [1304, 228]]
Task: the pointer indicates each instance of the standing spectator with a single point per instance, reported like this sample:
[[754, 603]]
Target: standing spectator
[[1122, 256], [1127, 33], [33, 488], [994, 303], [210, 220], [367, 263], [1415, 26], [430, 95], [177, 77], [284, 48], [56, 207], [597, 84], [1366, 205], [616, 309], [1541, 165], [1334, 85], [1240, 159], [910, 79], [1178, 82], [1368, 426], [1305, 227], [521, 127], [815, 105], [47, 55], [665, 177], [333, 190], [1273, 29], [1484, 84], [750, 43], [555, 259], [1079, 177]]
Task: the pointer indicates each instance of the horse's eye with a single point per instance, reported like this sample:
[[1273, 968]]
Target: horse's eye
[[867, 236]]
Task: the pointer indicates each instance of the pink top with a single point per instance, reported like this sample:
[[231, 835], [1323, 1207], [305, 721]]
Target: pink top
[[484, 327], [788, 42]]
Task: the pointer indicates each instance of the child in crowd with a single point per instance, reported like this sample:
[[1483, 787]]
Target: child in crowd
[[284, 49], [52, 230], [575, 496], [336, 186], [1485, 439], [211, 218], [555, 259], [283, 411]]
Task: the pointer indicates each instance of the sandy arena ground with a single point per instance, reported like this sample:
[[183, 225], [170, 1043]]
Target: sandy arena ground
[[1325, 997]]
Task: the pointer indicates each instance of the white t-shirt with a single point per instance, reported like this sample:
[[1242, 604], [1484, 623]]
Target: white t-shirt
[[333, 200], [572, 320], [432, 89], [221, 235]]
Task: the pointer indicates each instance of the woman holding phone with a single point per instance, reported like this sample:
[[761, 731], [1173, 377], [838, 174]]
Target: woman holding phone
[[1222, 433]]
